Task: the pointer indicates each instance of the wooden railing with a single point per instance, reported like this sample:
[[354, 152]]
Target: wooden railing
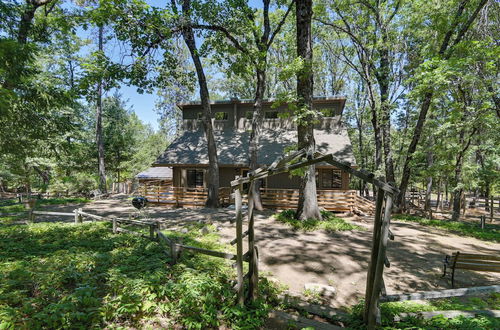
[[332, 200], [180, 196]]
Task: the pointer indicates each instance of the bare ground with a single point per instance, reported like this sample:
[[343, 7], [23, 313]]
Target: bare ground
[[339, 259]]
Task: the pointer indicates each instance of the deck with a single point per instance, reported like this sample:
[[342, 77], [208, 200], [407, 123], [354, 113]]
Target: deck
[[331, 200]]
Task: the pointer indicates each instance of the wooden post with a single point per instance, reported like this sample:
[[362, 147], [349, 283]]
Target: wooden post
[[375, 253], [173, 253], [115, 226], [31, 215], [483, 221], [152, 228], [491, 208], [252, 267], [374, 311], [239, 244]]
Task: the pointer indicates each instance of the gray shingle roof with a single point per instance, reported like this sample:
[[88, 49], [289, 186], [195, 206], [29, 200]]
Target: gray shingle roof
[[232, 146], [160, 172]]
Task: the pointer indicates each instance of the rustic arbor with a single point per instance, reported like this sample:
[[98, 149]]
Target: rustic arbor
[[286, 163]]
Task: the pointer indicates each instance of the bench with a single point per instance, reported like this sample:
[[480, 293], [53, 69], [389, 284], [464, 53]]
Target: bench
[[469, 261]]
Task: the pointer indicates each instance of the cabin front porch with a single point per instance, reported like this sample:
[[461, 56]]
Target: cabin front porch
[[340, 200]]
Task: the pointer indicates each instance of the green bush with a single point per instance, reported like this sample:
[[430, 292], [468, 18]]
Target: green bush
[[490, 233], [66, 276], [329, 222]]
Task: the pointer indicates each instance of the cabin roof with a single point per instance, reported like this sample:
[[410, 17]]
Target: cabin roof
[[232, 147], [156, 173]]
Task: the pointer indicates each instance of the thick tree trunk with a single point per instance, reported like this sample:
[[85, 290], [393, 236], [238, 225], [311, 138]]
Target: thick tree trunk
[[213, 164], [98, 129], [308, 198], [255, 134], [439, 200]]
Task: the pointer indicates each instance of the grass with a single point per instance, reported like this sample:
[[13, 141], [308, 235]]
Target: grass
[[390, 310], [13, 206], [490, 233], [65, 276], [329, 222]]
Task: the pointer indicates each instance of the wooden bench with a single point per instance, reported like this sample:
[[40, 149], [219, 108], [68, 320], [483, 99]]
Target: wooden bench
[[469, 261]]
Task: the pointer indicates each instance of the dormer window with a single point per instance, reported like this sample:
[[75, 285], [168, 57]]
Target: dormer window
[[221, 116], [271, 115]]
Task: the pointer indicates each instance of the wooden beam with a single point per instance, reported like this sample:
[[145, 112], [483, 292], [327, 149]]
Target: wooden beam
[[424, 295], [374, 311], [374, 252], [53, 213], [239, 245]]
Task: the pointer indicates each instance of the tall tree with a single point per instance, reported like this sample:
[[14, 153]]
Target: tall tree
[[466, 12], [213, 164], [98, 126], [308, 199]]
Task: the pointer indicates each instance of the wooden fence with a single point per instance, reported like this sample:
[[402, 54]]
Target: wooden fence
[[332, 200], [180, 196]]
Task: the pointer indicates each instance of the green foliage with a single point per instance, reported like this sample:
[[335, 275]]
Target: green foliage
[[329, 222], [67, 276], [490, 233], [392, 309]]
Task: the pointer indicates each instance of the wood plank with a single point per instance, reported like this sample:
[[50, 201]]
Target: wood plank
[[424, 295], [478, 256], [53, 213], [239, 244], [479, 267]]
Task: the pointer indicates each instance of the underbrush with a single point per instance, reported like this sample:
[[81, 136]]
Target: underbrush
[[392, 309], [490, 233], [329, 222], [67, 276]]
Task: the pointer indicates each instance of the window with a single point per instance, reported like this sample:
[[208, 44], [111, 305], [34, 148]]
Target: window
[[221, 116], [199, 115], [331, 179], [194, 178], [249, 115], [271, 114]]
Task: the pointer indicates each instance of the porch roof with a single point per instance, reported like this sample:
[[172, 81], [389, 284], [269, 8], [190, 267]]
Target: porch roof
[[155, 173], [232, 147]]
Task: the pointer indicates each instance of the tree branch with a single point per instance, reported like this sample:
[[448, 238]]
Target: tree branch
[[280, 24]]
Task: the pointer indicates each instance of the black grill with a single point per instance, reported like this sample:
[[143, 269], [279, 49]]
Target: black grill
[[139, 202]]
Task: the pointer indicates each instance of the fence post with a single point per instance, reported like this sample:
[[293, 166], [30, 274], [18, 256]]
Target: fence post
[[483, 220], [239, 244], [115, 226]]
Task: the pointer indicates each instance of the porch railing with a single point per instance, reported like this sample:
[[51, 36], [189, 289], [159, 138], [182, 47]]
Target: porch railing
[[332, 200]]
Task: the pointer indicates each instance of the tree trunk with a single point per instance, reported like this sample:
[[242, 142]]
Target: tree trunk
[[308, 198], [98, 129], [439, 200], [428, 191], [213, 164], [383, 82], [255, 134]]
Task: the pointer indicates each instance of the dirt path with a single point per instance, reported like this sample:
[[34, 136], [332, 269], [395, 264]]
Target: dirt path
[[338, 259]]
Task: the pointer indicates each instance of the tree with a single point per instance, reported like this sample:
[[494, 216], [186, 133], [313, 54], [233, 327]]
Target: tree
[[308, 200], [450, 36]]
